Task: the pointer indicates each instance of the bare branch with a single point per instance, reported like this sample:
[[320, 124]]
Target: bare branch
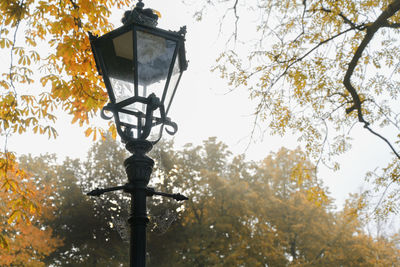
[[235, 33], [302, 21], [366, 126], [237, 18]]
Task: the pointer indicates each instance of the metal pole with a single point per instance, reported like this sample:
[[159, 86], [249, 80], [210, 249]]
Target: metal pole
[[138, 168]]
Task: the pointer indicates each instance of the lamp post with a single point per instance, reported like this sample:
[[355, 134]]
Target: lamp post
[[141, 66]]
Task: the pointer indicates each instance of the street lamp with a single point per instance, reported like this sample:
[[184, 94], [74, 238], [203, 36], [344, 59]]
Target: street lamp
[[141, 66]]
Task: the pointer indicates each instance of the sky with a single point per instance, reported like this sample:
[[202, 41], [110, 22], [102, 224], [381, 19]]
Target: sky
[[204, 106]]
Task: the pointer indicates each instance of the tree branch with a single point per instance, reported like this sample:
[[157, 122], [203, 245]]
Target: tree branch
[[392, 25], [295, 60], [366, 126], [346, 20], [380, 22], [236, 18]]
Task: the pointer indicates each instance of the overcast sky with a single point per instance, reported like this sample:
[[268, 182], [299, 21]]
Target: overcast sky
[[203, 108]]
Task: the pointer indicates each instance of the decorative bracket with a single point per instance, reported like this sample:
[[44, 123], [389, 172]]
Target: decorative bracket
[[152, 103], [128, 188]]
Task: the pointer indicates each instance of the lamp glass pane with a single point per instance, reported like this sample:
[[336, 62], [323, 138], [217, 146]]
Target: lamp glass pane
[[117, 55], [131, 120], [121, 74], [127, 118], [155, 55], [172, 83], [122, 89], [123, 45], [156, 128]]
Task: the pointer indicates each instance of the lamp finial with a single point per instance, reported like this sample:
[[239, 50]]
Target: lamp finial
[[141, 16]]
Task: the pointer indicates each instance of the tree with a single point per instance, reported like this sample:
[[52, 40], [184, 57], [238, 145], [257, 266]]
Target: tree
[[86, 226], [311, 232], [54, 55], [317, 68], [102, 240], [20, 203], [29, 239], [274, 213]]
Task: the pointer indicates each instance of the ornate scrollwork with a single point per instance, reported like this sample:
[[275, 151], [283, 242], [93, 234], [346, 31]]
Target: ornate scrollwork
[[171, 124], [125, 130], [103, 114]]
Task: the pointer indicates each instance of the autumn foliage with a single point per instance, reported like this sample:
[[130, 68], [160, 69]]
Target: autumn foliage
[[25, 205], [54, 55], [48, 66]]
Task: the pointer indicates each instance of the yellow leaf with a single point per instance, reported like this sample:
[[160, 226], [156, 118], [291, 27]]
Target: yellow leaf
[[32, 208], [113, 131], [3, 242], [157, 13], [15, 216], [88, 132]]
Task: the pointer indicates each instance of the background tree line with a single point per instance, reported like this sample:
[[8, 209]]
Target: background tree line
[[270, 213]]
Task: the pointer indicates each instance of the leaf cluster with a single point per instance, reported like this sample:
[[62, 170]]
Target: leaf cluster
[[48, 66], [25, 209]]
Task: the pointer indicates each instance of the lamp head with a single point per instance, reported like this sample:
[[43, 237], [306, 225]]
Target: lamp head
[[141, 66]]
